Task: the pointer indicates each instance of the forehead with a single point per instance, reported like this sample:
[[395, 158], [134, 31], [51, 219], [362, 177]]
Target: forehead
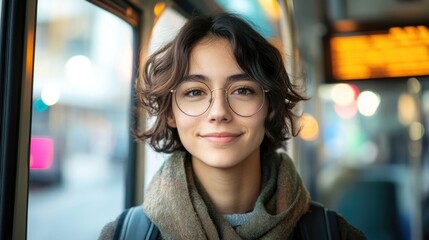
[[213, 57]]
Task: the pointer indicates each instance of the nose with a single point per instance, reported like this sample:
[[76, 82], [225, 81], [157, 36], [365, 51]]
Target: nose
[[219, 110]]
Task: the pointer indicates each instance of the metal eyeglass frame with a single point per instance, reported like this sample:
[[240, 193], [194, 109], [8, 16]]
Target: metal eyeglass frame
[[225, 90]]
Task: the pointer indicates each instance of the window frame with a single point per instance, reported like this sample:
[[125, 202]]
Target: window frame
[[17, 42]]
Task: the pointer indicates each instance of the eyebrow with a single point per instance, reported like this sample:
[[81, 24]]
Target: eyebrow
[[232, 78]]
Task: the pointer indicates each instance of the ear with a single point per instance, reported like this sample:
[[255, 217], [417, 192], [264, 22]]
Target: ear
[[171, 121]]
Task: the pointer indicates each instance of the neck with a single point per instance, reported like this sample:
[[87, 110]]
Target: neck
[[232, 190]]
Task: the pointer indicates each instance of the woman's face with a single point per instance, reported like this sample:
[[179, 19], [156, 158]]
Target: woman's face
[[219, 137]]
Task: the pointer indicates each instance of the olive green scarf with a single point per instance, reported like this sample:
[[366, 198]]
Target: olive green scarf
[[178, 205]]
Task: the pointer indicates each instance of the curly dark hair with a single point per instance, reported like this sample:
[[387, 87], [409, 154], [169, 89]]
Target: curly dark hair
[[263, 62]]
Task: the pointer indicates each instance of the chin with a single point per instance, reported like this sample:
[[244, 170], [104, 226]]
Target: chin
[[221, 159]]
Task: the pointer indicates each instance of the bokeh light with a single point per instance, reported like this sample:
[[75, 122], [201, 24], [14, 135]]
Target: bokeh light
[[40, 106], [271, 7], [346, 112], [343, 94], [159, 8], [416, 131], [367, 103], [310, 127], [79, 69], [407, 109], [50, 94]]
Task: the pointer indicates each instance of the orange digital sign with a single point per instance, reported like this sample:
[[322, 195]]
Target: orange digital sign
[[396, 52]]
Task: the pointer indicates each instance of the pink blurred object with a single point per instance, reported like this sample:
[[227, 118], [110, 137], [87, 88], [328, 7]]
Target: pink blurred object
[[41, 153]]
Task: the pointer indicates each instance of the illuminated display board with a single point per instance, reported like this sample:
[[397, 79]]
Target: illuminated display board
[[392, 53]]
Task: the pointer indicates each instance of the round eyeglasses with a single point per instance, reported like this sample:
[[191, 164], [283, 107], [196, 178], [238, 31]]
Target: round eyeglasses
[[245, 98]]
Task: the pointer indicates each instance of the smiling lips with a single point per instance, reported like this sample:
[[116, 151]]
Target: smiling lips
[[220, 138]]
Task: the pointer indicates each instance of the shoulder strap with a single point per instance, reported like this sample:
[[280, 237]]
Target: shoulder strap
[[134, 224], [318, 223]]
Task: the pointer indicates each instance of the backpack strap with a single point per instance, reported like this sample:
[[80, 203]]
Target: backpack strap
[[134, 224], [318, 223]]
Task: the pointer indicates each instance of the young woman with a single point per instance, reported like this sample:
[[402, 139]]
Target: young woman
[[224, 107]]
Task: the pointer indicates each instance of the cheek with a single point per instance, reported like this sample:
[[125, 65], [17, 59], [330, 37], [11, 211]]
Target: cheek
[[260, 130], [262, 117], [183, 123], [257, 124]]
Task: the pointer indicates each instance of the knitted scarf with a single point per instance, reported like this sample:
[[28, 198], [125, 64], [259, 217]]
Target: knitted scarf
[[178, 205]]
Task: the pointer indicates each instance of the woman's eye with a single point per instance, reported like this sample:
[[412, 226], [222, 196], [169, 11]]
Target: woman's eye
[[194, 93], [243, 91]]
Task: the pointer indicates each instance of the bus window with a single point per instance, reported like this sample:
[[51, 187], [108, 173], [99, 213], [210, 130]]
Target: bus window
[[80, 120]]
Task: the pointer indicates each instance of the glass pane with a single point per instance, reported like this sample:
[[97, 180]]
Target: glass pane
[[80, 121]]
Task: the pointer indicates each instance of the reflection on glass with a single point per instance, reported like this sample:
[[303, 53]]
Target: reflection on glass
[[80, 121]]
